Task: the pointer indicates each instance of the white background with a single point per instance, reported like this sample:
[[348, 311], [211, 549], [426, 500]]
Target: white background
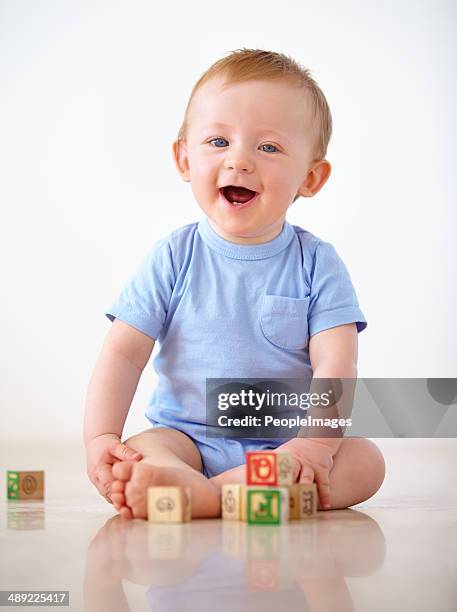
[[92, 95]]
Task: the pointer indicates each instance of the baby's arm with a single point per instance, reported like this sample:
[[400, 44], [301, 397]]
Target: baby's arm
[[333, 354], [113, 384]]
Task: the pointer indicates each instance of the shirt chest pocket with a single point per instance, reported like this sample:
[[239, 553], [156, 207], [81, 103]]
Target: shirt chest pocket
[[284, 321]]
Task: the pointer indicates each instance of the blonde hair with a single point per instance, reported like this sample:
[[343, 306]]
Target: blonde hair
[[255, 64]]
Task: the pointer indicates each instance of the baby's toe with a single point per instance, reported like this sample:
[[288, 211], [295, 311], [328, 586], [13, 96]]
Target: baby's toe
[[117, 486], [126, 513], [123, 470], [118, 500], [137, 505]]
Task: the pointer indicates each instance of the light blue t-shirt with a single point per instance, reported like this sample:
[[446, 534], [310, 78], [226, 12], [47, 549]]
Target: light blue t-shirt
[[225, 310]]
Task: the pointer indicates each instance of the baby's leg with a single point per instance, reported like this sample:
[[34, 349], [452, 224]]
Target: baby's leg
[[357, 473], [170, 457]]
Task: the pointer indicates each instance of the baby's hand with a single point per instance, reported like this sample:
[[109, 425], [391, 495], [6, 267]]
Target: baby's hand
[[101, 453], [315, 462]]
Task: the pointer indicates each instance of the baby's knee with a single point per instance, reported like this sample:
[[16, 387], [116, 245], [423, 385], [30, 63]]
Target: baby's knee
[[372, 460], [134, 441]]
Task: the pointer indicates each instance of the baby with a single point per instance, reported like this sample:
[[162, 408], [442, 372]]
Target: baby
[[239, 294]]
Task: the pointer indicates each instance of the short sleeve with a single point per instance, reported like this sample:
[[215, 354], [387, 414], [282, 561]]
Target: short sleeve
[[333, 300], [143, 302]]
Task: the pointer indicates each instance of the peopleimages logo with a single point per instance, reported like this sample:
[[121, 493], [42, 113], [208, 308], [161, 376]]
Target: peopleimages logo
[[288, 423], [251, 399]]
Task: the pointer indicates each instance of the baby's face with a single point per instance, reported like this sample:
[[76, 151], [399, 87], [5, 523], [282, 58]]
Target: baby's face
[[257, 135]]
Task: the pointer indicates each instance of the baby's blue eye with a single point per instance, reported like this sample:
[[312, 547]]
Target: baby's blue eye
[[270, 145], [215, 139]]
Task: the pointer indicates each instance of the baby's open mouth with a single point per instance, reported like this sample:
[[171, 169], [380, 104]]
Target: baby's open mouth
[[239, 195]]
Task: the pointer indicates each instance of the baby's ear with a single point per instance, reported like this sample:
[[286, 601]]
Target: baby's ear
[[181, 159], [317, 176]]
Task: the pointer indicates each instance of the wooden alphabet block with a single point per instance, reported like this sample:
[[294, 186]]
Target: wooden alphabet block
[[243, 503], [302, 501], [284, 465], [267, 505], [25, 485], [269, 469], [234, 502], [294, 513], [232, 499], [187, 505], [306, 500], [169, 504]]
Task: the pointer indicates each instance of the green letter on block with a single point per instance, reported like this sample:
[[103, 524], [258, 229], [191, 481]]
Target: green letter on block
[[13, 485], [263, 506]]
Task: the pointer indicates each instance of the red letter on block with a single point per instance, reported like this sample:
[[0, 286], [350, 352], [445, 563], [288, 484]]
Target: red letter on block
[[261, 468]]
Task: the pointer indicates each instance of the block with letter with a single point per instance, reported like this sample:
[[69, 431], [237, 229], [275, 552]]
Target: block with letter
[[25, 485], [233, 499], [306, 500], [267, 505], [302, 501], [169, 504], [243, 503], [294, 513], [187, 505], [270, 469]]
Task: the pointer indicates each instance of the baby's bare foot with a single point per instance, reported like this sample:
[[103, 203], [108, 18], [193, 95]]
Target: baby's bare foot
[[117, 494], [133, 478], [129, 489]]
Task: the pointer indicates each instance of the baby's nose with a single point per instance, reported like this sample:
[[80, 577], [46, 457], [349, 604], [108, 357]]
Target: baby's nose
[[239, 164]]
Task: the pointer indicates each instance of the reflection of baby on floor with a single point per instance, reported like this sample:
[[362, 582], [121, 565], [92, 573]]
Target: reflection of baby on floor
[[223, 583], [232, 565]]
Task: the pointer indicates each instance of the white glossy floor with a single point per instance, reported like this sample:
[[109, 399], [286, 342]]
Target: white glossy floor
[[397, 551]]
